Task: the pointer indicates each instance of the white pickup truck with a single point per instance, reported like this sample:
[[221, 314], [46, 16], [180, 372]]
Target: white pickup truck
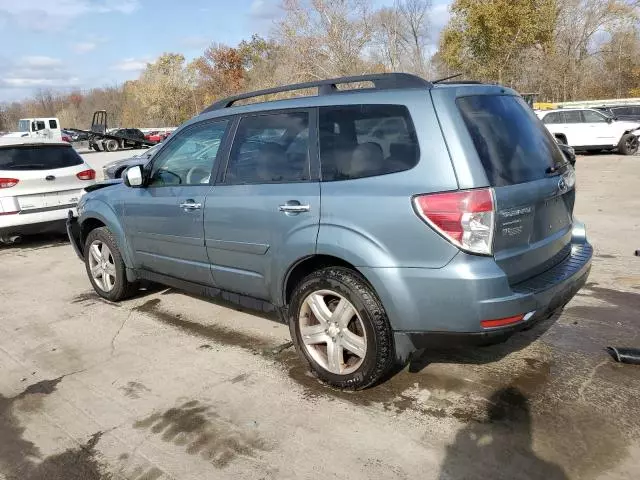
[[589, 129], [48, 128]]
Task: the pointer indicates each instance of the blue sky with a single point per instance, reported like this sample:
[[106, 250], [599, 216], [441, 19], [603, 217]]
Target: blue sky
[[62, 44]]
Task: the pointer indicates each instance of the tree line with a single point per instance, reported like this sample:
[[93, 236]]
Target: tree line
[[561, 49]]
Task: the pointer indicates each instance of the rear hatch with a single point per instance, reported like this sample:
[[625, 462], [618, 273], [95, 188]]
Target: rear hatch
[[46, 174], [533, 185]]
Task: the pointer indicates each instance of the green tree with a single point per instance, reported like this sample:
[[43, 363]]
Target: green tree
[[488, 39]]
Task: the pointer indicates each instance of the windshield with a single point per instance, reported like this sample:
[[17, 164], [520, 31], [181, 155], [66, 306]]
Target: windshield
[[512, 143], [23, 125], [38, 157]]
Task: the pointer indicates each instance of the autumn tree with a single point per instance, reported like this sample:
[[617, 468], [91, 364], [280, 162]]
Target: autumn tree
[[488, 40], [163, 95], [219, 72]]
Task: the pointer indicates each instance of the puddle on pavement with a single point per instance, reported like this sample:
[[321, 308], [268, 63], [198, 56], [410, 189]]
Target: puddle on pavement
[[17, 454], [212, 332], [90, 298], [30, 400], [134, 390], [617, 298], [201, 431], [566, 431]]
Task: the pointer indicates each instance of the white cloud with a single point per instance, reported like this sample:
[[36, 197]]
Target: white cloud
[[130, 65], [35, 72], [83, 47], [54, 15], [264, 9], [39, 61]]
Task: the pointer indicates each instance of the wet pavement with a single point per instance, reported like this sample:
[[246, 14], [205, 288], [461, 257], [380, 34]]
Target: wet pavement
[[167, 385]]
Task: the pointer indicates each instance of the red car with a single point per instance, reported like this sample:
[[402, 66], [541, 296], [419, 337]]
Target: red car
[[157, 137]]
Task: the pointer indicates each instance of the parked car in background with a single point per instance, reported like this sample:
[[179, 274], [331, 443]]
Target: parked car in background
[[157, 136], [568, 152], [40, 180], [114, 169], [588, 129], [132, 133], [75, 135], [462, 233], [622, 112], [46, 127]]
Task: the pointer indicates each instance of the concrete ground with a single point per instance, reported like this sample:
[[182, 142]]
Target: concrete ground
[[170, 386]]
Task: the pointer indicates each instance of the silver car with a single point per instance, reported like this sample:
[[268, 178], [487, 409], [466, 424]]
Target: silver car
[[453, 224], [114, 169]]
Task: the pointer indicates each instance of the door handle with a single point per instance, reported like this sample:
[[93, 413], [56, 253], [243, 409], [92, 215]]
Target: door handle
[[291, 207], [190, 205]]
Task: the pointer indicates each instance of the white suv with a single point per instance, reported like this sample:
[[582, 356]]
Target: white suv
[[589, 129], [40, 180]]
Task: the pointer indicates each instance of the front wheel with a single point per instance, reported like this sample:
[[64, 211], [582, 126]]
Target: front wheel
[[340, 328], [628, 144], [105, 267], [111, 145]]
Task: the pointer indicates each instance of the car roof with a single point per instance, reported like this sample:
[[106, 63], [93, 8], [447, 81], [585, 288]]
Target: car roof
[[347, 97], [13, 141]]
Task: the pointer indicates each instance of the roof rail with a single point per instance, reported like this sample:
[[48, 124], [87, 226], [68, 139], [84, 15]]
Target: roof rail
[[381, 81]]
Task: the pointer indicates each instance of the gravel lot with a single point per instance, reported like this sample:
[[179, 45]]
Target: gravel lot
[[170, 386]]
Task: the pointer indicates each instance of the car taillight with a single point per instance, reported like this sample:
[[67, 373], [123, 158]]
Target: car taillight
[[8, 182], [87, 174], [465, 218]]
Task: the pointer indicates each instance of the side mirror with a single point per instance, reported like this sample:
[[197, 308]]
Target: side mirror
[[609, 119], [133, 176]]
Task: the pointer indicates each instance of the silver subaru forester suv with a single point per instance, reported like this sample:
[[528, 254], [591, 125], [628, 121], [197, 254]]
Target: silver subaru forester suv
[[377, 221]]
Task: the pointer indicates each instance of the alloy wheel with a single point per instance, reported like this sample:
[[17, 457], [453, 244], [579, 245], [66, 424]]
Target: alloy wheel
[[332, 332], [102, 266]]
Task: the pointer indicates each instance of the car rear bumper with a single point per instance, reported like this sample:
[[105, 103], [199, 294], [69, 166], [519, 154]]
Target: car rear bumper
[[447, 305], [29, 221]]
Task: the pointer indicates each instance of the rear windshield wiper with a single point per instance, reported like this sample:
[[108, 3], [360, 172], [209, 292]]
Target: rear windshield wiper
[[554, 170]]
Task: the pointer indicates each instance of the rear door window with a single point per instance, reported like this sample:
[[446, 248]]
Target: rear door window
[[572, 116], [552, 118], [38, 157], [513, 145], [593, 117], [359, 141], [271, 148]]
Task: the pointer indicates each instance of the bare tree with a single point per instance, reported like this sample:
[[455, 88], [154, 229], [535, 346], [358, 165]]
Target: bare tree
[[415, 15]]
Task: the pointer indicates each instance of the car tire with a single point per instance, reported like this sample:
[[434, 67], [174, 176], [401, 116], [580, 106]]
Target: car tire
[[105, 267], [333, 313], [111, 145], [628, 144]]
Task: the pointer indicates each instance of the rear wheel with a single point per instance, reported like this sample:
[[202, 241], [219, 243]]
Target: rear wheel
[[340, 328], [105, 267], [111, 145], [628, 144]]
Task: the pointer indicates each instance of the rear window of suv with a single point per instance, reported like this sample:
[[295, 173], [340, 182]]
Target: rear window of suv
[[358, 141], [513, 145], [33, 157]]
